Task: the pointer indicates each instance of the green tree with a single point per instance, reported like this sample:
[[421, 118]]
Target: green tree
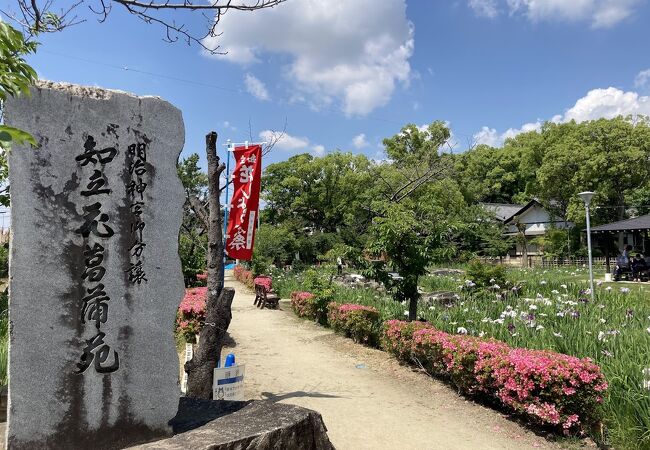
[[321, 201], [609, 157], [404, 237], [498, 175], [402, 245], [275, 243], [192, 239], [15, 78]]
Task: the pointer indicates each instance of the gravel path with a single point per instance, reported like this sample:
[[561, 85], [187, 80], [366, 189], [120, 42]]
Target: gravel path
[[367, 400]]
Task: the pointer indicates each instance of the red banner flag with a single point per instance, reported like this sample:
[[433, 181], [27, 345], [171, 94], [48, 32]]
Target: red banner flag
[[245, 202]]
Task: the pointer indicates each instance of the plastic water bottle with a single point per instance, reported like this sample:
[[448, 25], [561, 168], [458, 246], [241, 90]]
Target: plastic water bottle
[[230, 360]]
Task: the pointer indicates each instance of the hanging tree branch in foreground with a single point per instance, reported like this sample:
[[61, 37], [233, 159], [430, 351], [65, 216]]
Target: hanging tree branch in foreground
[[40, 17]]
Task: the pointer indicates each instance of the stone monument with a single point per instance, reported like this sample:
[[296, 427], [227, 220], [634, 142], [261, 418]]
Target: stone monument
[[95, 275]]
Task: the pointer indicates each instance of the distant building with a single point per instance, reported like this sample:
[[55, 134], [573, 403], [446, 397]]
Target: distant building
[[632, 232], [532, 219]]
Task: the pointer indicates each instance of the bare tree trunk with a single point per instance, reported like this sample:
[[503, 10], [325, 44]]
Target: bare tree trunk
[[524, 251], [219, 300], [413, 309]]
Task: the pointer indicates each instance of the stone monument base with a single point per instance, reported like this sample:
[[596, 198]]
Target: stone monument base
[[253, 425]]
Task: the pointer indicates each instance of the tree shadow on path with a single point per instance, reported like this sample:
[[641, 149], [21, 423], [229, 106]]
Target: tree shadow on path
[[296, 394]]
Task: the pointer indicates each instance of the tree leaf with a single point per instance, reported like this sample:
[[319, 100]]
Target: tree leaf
[[15, 135]]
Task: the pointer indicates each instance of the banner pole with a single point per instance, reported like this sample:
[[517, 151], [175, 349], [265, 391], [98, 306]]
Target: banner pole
[[226, 210]]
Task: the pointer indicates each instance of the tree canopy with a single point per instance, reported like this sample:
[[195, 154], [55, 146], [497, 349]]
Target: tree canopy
[[423, 204]]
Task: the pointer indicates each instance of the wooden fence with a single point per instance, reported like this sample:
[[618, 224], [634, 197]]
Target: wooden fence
[[599, 263]]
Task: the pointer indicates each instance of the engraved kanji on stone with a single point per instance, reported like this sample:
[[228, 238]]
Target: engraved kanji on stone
[[93, 220], [136, 273], [98, 351], [90, 155]]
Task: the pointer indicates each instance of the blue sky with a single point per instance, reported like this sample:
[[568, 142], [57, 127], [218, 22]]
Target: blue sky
[[347, 73]]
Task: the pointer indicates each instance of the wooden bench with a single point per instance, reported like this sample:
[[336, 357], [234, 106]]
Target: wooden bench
[[264, 297]]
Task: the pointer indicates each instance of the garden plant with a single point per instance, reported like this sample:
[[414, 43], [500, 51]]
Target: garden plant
[[584, 359]]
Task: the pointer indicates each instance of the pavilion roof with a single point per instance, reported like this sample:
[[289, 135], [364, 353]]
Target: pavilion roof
[[641, 223]]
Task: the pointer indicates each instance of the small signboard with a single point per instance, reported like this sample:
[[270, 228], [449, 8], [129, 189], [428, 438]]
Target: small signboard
[[189, 353], [228, 383]]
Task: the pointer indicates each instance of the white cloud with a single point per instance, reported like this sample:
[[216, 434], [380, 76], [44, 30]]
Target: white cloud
[[642, 79], [487, 136], [360, 141], [484, 8], [607, 103], [256, 87], [490, 136], [600, 13], [597, 104], [352, 51], [227, 125], [525, 128], [284, 141]]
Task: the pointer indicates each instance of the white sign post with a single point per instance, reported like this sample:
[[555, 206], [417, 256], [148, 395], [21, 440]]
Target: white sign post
[[228, 383], [189, 353]]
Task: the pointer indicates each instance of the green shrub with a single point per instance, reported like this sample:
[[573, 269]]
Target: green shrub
[[260, 265], [4, 337], [4, 261], [320, 301], [317, 283], [192, 256], [361, 323], [485, 274]]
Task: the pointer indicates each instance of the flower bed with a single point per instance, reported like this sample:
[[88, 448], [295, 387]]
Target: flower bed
[[302, 304], [549, 388], [202, 279], [361, 323], [244, 276], [263, 281], [191, 313]]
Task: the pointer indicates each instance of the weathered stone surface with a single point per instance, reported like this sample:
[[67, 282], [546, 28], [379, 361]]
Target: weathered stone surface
[[259, 425], [57, 239]]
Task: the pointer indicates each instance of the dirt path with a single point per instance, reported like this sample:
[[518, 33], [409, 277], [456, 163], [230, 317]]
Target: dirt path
[[367, 400]]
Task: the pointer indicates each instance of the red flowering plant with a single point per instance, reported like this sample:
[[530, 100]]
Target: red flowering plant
[[202, 279], [550, 387], [244, 276], [547, 387], [191, 313], [355, 321], [397, 337], [302, 304], [263, 280]]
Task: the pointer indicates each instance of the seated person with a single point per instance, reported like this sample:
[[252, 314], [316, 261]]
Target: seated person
[[622, 262], [637, 265]]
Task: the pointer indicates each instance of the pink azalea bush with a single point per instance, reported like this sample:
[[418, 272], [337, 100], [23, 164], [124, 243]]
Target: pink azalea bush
[[358, 322], [397, 337], [244, 276], [547, 387], [263, 281], [303, 305], [191, 313], [202, 278]]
